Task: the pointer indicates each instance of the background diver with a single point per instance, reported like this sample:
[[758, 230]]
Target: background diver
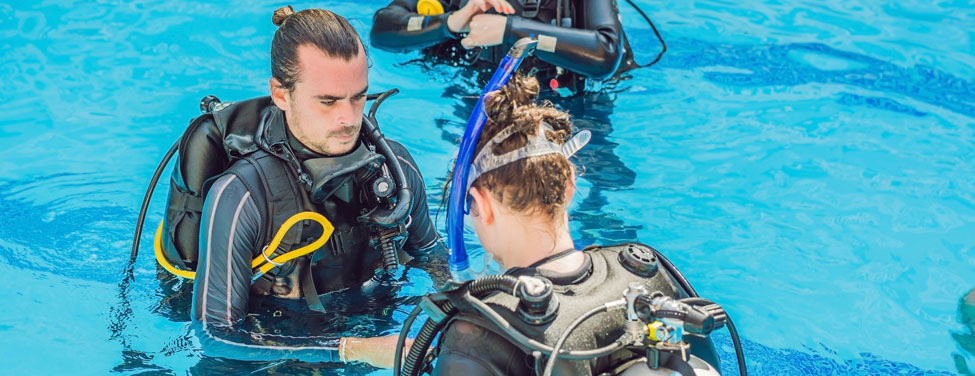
[[582, 58]]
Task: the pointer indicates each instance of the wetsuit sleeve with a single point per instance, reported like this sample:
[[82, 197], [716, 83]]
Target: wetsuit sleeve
[[398, 27], [423, 239], [592, 49], [468, 349], [229, 233]]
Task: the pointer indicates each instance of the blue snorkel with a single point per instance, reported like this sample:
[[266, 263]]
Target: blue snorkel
[[456, 203]]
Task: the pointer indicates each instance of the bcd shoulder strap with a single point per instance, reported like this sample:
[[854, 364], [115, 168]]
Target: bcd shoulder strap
[[284, 199]]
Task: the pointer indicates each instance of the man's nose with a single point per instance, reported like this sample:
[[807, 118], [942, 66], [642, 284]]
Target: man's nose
[[346, 112]]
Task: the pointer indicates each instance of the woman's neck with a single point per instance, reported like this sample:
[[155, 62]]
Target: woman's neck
[[533, 238]]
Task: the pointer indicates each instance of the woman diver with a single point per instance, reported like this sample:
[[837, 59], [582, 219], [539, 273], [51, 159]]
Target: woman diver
[[520, 185]]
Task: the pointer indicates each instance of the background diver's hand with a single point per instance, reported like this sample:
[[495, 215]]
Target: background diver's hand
[[377, 351], [459, 21], [486, 30]]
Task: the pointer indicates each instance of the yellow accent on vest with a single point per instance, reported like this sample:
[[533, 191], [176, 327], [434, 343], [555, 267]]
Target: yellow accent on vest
[[429, 7], [269, 264]]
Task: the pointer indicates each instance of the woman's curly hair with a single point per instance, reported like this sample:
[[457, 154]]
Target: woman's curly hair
[[535, 183]]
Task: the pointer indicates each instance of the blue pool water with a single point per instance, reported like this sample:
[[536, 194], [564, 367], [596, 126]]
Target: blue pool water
[[810, 165]]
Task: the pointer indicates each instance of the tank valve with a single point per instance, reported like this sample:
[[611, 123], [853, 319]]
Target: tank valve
[[209, 104], [537, 304]]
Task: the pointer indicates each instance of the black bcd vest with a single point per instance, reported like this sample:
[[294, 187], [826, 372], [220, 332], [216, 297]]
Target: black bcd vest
[[606, 283], [212, 146]]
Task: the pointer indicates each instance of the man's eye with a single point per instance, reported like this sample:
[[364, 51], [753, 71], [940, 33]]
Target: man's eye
[[359, 97], [328, 103]]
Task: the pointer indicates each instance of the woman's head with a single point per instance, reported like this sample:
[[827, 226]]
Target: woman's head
[[529, 193]]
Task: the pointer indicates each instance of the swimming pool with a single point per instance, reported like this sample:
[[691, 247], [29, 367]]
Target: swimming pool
[[808, 165]]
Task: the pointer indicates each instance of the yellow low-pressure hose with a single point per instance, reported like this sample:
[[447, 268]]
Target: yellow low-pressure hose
[[157, 243], [327, 230]]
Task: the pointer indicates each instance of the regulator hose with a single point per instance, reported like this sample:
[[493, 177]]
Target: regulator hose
[[148, 197], [477, 289], [550, 364], [401, 341], [404, 197], [739, 352]]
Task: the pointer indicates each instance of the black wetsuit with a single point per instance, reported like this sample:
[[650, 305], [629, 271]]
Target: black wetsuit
[[592, 46], [232, 220], [471, 350]]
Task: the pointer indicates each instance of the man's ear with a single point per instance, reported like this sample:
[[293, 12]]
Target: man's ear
[[481, 206], [279, 94]]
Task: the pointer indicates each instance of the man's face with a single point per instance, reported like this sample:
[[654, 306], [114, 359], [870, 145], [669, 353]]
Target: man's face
[[324, 110]]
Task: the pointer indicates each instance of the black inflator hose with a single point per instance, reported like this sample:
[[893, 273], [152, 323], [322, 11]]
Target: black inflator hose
[[428, 332], [423, 340], [550, 364], [401, 341], [404, 198], [657, 33], [739, 352], [147, 198], [534, 345], [479, 288]]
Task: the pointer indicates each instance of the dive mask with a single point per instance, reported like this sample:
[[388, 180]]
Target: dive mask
[[487, 160], [335, 175]]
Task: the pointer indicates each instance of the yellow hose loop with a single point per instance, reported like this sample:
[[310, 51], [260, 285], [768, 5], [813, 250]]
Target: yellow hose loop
[[327, 230], [157, 244]]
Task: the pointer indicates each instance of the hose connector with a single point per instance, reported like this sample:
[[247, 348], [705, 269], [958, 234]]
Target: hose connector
[[634, 291], [537, 304]]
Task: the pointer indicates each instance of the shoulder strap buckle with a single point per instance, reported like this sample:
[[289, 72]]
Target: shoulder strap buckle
[[529, 9]]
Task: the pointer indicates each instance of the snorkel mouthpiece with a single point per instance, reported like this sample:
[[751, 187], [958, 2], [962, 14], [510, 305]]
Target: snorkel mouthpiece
[[457, 252]]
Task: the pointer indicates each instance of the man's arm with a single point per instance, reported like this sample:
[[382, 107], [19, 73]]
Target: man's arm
[[592, 48], [398, 27], [229, 232]]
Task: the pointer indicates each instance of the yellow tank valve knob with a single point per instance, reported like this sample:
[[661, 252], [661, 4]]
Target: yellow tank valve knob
[[657, 331]]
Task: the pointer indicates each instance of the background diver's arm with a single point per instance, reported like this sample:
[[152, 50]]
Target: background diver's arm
[[398, 27], [592, 47], [229, 233]]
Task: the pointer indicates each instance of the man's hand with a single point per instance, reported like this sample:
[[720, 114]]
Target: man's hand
[[459, 21], [486, 30], [377, 351]]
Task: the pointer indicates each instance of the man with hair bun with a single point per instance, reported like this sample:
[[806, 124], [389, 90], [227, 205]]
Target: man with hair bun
[[247, 166]]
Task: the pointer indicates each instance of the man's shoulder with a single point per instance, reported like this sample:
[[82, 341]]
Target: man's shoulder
[[405, 158], [398, 148], [241, 177]]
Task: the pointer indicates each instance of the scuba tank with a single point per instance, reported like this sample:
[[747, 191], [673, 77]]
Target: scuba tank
[[659, 331]]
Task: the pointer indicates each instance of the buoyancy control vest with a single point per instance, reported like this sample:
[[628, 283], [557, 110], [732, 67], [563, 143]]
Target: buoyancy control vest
[[209, 148], [609, 278], [238, 139]]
